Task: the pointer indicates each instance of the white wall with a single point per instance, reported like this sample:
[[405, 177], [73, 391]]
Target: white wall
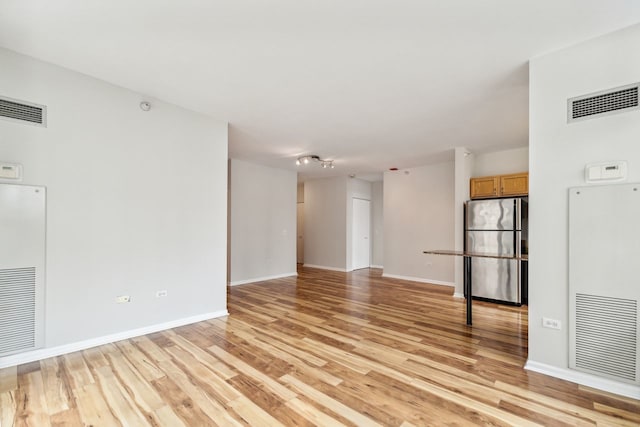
[[501, 162], [263, 222], [464, 161], [418, 215], [377, 223], [356, 189], [558, 154], [136, 202], [325, 223]]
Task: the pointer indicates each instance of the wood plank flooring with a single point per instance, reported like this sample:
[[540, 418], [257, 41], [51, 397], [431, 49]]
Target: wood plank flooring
[[325, 348]]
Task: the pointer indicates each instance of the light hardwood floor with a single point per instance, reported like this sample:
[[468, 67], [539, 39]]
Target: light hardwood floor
[[324, 349]]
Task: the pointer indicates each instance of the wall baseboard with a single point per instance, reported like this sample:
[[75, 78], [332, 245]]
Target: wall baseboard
[[605, 384], [458, 295], [261, 279], [322, 267], [45, 353], [419, 279], [376, 266]]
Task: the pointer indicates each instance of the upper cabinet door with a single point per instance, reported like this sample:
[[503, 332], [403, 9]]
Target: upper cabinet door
[[516, 184], [484, 187]]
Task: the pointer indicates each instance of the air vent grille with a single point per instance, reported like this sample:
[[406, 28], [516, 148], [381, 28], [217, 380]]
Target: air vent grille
[[24, 112], [17, 309], [606, 335], [612, 101]]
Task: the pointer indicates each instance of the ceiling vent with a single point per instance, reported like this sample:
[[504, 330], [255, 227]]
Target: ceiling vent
[[617, 100], [23, 112]]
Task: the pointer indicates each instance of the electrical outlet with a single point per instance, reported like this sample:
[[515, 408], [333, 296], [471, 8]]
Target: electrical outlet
[[160, 294], [551, 323], [123, 298]]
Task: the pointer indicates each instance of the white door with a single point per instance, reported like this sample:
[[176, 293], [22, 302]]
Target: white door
[[361, 226], [300, 234]]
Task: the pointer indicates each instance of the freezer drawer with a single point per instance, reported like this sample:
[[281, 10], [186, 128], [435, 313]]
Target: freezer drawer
[[496, 279]]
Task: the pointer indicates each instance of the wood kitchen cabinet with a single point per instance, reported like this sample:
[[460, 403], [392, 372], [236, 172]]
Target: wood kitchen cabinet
[[485, 187], [516, 184]]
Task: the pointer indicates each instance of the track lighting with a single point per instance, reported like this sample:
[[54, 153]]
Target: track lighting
[[305, 160]]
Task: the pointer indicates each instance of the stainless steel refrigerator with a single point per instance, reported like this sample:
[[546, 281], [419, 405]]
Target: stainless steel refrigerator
[[498, 226]]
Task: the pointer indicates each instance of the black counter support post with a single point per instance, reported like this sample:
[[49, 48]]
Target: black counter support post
[[467, 286]]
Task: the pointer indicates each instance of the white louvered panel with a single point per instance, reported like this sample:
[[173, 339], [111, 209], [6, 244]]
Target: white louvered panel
[[604, 296], [17, 309], [606, 335], [22, 267]]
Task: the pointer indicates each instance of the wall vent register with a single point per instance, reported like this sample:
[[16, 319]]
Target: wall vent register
[[17, 309], [606, 335], [23, 111], [617, 100]]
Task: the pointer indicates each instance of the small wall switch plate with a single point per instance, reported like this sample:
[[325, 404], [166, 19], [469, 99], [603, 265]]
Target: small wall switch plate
[[551, 323], [123, 298], [160, 294]]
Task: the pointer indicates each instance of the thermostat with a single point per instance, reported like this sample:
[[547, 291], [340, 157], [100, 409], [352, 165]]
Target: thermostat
[[605, 171], [10, 171]]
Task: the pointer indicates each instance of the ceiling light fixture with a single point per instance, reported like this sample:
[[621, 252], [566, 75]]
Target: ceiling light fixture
[[305, 160]]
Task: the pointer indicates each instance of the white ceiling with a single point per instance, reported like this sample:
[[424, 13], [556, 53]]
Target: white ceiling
[[371, 84]]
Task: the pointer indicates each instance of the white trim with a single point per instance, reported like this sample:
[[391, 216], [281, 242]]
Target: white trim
[[261, 279], [322, 267], [611, 386], [419, 279], [458, 295], [375, 266], [44, 353]]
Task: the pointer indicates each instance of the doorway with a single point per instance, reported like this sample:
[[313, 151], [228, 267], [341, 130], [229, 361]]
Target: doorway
[[361, 228], [300, 234]]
